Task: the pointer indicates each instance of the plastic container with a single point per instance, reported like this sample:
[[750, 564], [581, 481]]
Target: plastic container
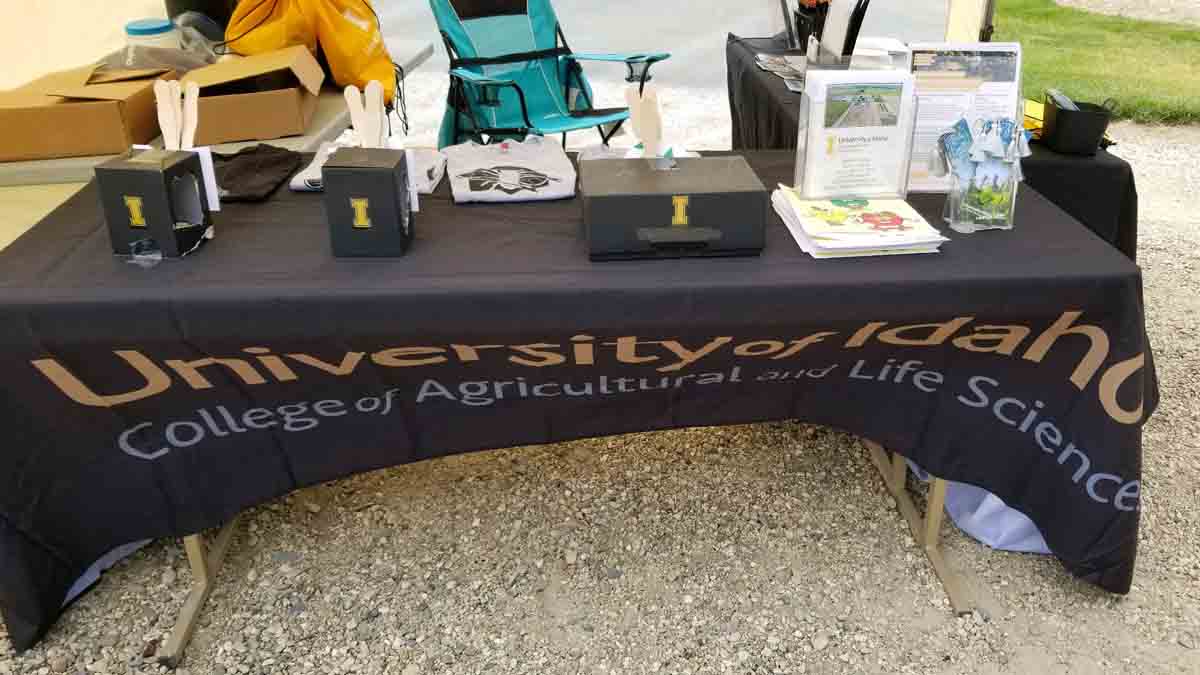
[[1076, 132], [974, 206], [159, 33]]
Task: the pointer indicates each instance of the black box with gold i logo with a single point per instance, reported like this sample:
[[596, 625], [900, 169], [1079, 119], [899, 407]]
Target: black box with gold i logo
[[154, 199], [367, 202], [645, 208]]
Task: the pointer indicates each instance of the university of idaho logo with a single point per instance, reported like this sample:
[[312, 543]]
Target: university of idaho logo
[[680, 216], [136, 217], [362, 220]]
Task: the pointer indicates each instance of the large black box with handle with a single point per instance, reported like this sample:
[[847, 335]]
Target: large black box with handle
[[648, 208]]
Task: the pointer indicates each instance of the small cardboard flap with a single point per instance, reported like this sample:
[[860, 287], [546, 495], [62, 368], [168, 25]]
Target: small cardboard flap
[[106, 75], [75, 77], [110, 91], [99, 84], [39, 92], [25, 98], [295, 59]]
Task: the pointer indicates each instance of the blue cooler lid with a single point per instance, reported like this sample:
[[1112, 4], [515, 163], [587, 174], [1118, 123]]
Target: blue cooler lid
[[143, 27]]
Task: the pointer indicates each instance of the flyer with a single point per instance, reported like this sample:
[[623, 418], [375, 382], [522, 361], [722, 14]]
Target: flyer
[[856, 134], [839, 228], [971, 81]]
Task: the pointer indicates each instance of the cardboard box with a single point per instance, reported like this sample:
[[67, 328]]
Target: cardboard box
[[367, 203], [155, 199], [710, 206], [78, 112], [257, 98]]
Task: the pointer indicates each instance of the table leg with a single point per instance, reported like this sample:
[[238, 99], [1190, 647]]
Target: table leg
[[205, 567], [924, 530]]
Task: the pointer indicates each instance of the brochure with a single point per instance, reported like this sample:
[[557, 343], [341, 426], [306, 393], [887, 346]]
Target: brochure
[[956, 81], [790, 70], [855, 134], [839, 228]]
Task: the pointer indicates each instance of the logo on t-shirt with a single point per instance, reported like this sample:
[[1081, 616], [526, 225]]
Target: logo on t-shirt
[[507, 179]]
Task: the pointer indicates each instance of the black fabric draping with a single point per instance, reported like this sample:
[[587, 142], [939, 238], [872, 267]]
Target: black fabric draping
[[159, 402]]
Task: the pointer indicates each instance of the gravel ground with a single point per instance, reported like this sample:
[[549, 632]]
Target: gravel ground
[[1180, 11], [769, 548]]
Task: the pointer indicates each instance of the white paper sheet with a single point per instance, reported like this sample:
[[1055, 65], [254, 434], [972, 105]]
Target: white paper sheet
[[837, 25]]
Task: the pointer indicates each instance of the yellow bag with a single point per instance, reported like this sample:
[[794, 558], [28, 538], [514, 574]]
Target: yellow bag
[[346, 30]]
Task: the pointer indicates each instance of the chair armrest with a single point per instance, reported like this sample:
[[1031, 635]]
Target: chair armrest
[[479, 78], [620, 58], [488, 86], [637, 65]]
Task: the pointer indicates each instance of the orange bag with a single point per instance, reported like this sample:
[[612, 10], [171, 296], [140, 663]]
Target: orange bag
[[346, 30]]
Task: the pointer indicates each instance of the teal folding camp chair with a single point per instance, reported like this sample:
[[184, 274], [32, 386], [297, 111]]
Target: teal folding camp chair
[[512, 73]]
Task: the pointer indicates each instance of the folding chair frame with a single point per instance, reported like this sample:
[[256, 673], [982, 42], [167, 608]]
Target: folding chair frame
[[458, 102]]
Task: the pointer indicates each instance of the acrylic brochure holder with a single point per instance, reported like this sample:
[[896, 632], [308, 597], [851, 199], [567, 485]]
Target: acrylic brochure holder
[[855, 134], [983, 162]]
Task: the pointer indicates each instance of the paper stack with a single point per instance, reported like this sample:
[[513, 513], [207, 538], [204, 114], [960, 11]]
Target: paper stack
[[790, 69], [849, 228]]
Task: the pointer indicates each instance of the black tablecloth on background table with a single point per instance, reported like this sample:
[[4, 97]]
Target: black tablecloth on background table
[[159, 402], [1098, 191]]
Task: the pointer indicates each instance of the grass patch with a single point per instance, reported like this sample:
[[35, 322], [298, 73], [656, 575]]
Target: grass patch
[[1152, 70]]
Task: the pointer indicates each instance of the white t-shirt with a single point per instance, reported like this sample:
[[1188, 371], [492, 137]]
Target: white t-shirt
[[428, 166], [535, 169]]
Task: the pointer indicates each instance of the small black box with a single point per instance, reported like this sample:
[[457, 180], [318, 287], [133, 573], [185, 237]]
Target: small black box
[[632, 208], [366, 202], [155, 198]]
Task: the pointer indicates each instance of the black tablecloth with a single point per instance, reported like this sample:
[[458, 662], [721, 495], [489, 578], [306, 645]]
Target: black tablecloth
[[1098, 191], [158, 402]]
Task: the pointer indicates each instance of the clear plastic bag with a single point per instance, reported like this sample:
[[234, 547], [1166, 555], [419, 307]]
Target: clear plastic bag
[[144, 253], [197, 52]]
